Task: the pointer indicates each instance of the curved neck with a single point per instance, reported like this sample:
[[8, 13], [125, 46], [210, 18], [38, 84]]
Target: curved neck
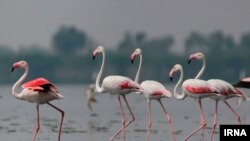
[[19, 81], [137, 77], [176, 94], [202, 69], [98, 79]]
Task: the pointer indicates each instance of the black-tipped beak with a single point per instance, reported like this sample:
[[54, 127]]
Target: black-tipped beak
[[93, 57], [132, 61], [12, 69], [189, 61], [171, 79]]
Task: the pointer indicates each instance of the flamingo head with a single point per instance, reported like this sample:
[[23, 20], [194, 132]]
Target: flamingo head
[[173, 71], [196, 56], [20, 64], [99, 49], [137, 52]]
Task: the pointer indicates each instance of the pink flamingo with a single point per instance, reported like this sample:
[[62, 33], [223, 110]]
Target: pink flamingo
[[194, 88], [39, 91], [152, 90], [225, 89], [116, 85], [243, 83]]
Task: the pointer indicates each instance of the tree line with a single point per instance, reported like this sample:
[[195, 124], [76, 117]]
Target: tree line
[[69, 58]]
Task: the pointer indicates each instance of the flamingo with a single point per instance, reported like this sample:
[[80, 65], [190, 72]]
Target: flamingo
[[39, 91], [243, 83], [152, 90], [116, 85], [90, 95], [194, 88], [225, 89]]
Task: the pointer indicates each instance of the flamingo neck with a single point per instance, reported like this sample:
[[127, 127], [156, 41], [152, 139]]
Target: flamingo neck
[[98, 79], [18, 83], [202, 69], [176, 94], [137, 77]]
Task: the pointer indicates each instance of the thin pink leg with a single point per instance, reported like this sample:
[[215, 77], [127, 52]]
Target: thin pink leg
[[215, 120], [62, 117], [149, 119], [130, 111], [123, 122], [128, 123], [203, 122], [237, 116], [168, 118], [123, 118], [38, 123]]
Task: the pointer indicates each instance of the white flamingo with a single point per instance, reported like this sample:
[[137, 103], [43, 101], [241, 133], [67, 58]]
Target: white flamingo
[[116, 85], [152, 90], [39, 91], [225, 89], [194, 88]]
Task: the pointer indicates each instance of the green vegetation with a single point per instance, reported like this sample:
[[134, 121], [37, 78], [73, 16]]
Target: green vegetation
[[70, 58]]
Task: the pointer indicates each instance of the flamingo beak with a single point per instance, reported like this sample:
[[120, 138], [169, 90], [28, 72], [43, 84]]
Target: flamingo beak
[[191, 58], [16, 65], [132, 57], [171, 79], [12, 69], [95, 52]]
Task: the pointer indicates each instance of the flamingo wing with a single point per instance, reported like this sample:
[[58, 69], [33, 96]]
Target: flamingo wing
[[155, 88], [40, 84], [196, 86], [162, 93], [224, 87], [243, 83], [119, 84]]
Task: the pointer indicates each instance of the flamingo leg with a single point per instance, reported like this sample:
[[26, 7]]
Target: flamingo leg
[[203, 122], [38, 123], [123, 122], [215, 120], [237, 116], [62, 117], [130, 111], [123, 118], [149, 118], [129, 122], [168, 118]]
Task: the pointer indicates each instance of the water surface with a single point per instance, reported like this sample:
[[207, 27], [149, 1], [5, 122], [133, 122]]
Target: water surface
[[18, 118]]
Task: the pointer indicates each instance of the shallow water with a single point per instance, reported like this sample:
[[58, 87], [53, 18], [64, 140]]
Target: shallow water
[[18, 118]]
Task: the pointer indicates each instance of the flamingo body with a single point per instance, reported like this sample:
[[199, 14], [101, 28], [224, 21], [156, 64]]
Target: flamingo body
[[154, 90], [225, 89], [243, 83], [39, 91], [196, 88], [116, 84]]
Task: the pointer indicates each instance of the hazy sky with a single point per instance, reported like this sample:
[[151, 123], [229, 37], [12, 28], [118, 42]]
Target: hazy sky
[[27, 22]]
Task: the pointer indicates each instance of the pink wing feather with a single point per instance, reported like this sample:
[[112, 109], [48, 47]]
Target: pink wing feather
[[37, 85], [199, 89], [36, 82]]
